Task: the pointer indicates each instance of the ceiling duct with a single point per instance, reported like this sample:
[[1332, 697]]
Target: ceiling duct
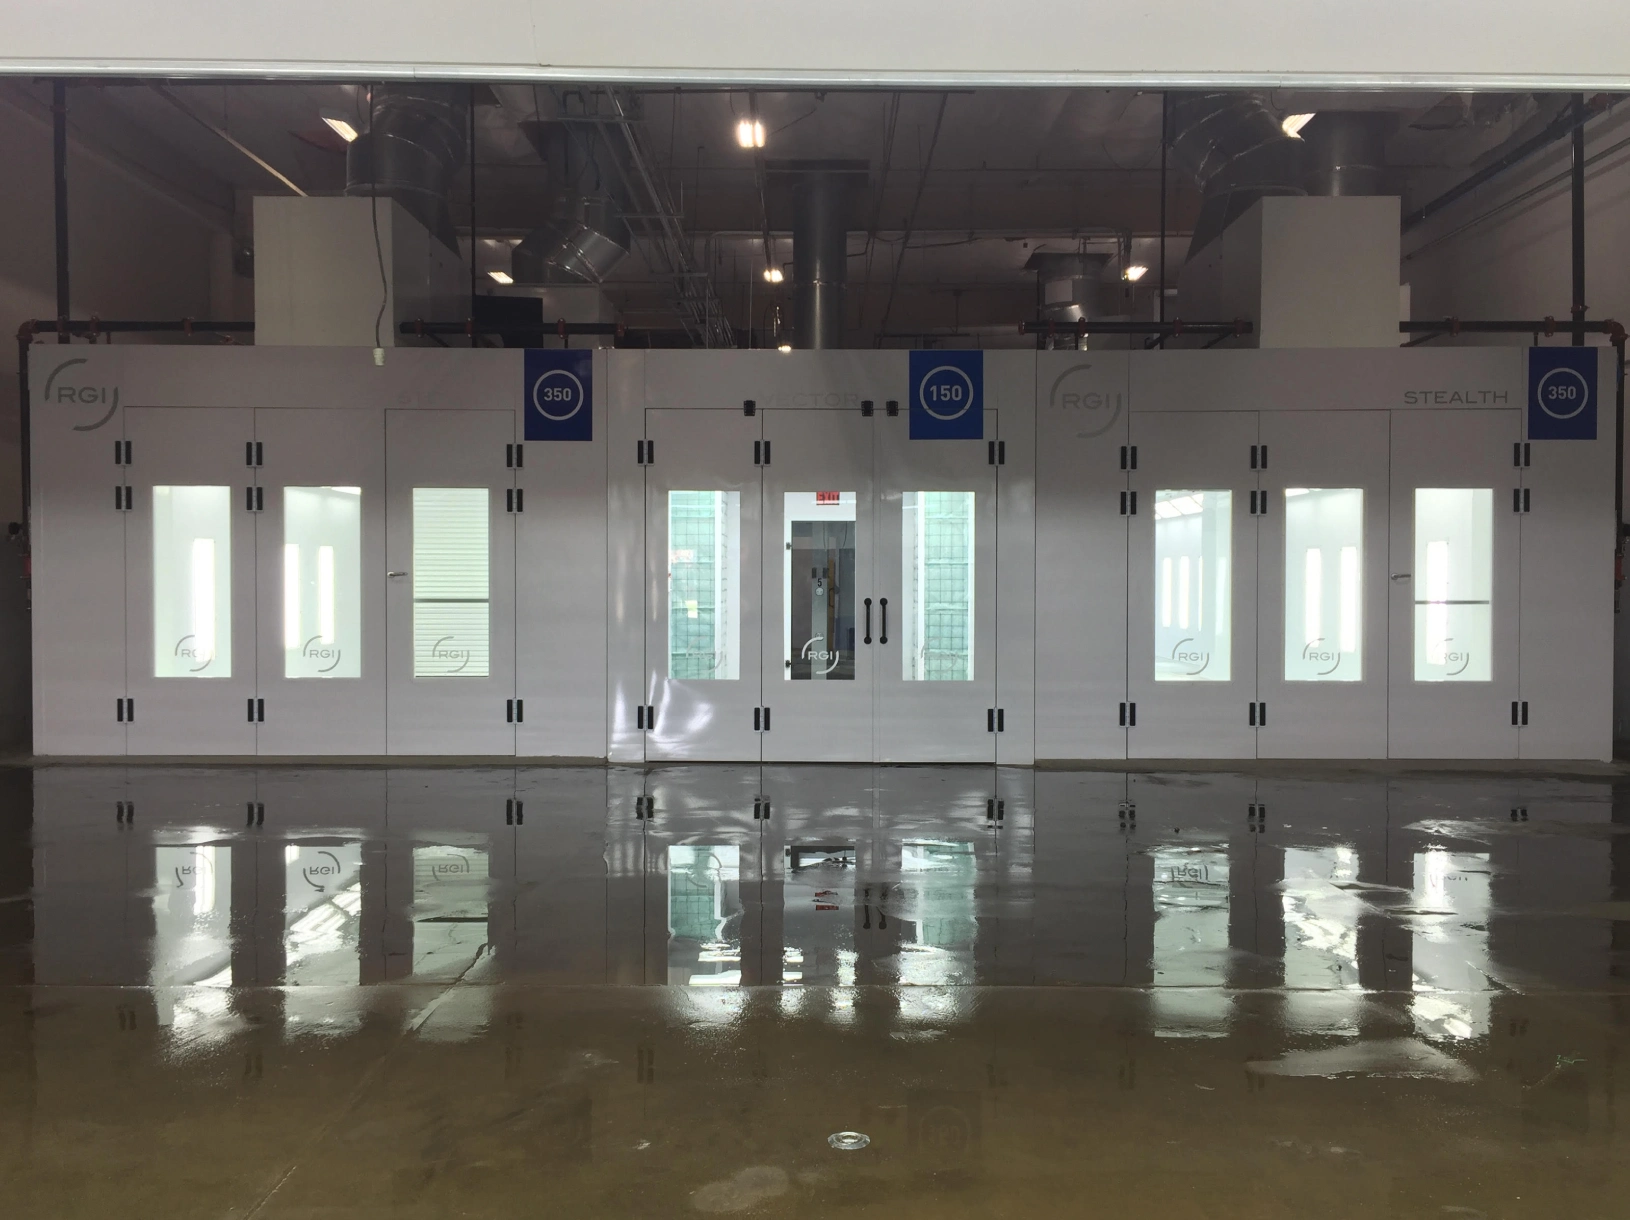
[[1237, 151], [1073, 287], [584, 234], [1347, 152], [822, 192], [416, 144]]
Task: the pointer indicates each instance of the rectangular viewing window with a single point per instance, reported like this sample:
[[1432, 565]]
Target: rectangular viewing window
[[1324, 589], [192, 582], [322, 582], [936, 577], [1454, 584], [704, 915], [451, 588], [1193, 585], [819, 588], [704, 585]]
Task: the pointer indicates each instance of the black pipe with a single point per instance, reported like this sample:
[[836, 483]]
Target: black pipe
[[25, 430], [544, 330], [1618, 473], [59, 168], [97, 326], [472, 211], [1541, 326], [1165, 147], [1086, 326], [1579, 220], [1558, 127]]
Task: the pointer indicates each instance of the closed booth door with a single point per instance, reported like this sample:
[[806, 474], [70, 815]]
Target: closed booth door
[[190, 581], [320, 558], [935, 582], [823, 634], [702, 496], [1322, 581], [1191, 637], [1454, 585], [450, 583]]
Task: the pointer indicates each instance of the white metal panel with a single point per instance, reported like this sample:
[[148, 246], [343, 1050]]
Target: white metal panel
[[315, 448], [923, 720], [453, 714], [190, 447], [1452, 719], [1566, 623], [1010, 388], [625, 559], [702, 719], [560, 592], [820, 721], [1080, 566], [78, 567], [1192, 718], [1323, 719]]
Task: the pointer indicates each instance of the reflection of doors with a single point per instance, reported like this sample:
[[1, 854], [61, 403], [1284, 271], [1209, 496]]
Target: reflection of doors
[[702, 564], [189, 568], [320, 560], [1322, 599], [936, 574], [818, 520], [1454, 585], [450, 582], [1191, 627]]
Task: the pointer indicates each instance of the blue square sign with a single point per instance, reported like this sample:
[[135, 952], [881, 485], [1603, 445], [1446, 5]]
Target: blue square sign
[[947, 396], [559, 395], [1562, 393]]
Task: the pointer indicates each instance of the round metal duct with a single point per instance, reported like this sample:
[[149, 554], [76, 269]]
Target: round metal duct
[[582, 240]]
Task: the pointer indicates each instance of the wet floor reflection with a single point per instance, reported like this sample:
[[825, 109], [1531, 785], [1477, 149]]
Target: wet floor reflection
[[445, 991]]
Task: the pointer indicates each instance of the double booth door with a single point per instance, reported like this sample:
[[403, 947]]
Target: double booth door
[[818, 587]]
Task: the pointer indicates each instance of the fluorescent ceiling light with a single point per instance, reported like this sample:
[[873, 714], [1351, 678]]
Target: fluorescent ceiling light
[[750, 133], [1294, 123], [774, 275], [785, 347], [341, 125], [502, 277], [1135, 272]]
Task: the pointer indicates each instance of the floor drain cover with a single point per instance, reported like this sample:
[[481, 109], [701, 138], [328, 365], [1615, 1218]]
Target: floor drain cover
[[848, 1141]]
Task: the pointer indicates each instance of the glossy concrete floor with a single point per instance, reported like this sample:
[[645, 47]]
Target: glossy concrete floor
[[583, 993]]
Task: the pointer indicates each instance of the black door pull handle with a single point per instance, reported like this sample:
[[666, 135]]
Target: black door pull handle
[[868, 639], [883, 636]]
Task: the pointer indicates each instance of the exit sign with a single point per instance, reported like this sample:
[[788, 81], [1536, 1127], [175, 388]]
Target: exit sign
[[828, 497]]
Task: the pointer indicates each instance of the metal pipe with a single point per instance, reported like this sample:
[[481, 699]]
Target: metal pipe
[[59, 168], [1578, 225], [1089, 326], [472, 211], [1541, 326], [1558, 127], [1165, 150], [545, 330], [820, 258]]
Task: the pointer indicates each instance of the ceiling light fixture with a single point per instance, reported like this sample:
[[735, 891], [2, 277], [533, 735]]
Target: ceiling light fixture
[[785, 347], [1135, 272], [502, 277], [773, 275], [750, 133], [341, 126], [1294, 123]]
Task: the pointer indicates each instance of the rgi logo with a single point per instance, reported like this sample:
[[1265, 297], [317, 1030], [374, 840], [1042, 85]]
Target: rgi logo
[[450, 868], [818, 656], [1075, 391], [1190, 656], [187, 649], [314, 650], [1452, 659], [443, 650], [323, 873], [1313, 654], [200, 871], [92, 395]]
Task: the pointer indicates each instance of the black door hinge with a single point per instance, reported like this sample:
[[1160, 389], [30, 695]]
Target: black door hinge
[[761, 453], [1129, 715], [645, 716], [891, 408], [121, 453], [514, 711], [1129, 457], [514, 459], [1519, 712], [254, 453], [514, 812], [749, 407], [1129, 504], [644, 452], [254, 499], [761, 720], [995, 811], [761, 809], [255, 813], [124, 710], [1259, 457], [1521, 453], [867, 407], [1128, 812], [998, 453], [995, 720], [257, 711], [1520, 499], [121, 498], [1520, 813], [124, 812], [1255, 817], [1259, 715], [645, 808], [514, 499], [1259, 504]]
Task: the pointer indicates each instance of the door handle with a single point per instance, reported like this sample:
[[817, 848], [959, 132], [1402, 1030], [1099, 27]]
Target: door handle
[[868, 639], [1401, 575], [883, 636], [394, 575]]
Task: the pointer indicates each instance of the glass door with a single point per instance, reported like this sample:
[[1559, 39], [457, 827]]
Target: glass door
[[822, 610], [1322, 585], [190, 581], [450, 582], [320, 559], [1453, 585], [1191, 636], [702, 571], [936, 588]]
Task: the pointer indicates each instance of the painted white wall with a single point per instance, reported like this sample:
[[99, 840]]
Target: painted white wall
[[135, 251], [1401, 43]]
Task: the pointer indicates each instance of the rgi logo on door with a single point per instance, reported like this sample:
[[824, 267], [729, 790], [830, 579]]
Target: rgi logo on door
[[947, 396], [558, 396]]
